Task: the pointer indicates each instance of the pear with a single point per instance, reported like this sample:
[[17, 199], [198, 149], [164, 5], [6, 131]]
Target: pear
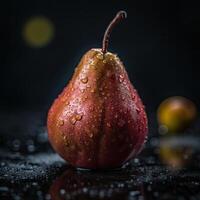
[[98, 121]]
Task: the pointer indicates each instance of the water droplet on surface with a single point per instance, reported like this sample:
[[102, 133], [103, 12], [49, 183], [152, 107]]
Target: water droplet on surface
[[85, 190], [185, 156], [64, 137], [108, 124], [82, 90], [2, 164], [145, 140], [47, 197], [137, 110], [88, 86], [102, 194], [78, 117], [73, 120], [34, 184], [91, 135], [84, 80], [92, 90], [85, 97], [63, 100], [136, 160], [16, 145], [149, 188], [111, 59], [156, 194], [61, 122], [100, 56], [91, 61], [134, 193], [31, 148], [116, 116], [121, 78], [62, 191]]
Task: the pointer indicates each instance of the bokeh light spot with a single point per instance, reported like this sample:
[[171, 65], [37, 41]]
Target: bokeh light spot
[[38, 31]]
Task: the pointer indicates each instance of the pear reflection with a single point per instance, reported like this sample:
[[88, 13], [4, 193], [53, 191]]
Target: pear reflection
[[68, 184], [74, 184]]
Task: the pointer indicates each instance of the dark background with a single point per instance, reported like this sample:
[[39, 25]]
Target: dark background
[[158, 43]]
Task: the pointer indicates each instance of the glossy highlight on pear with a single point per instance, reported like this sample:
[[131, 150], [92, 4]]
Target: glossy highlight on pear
[[98, 121]]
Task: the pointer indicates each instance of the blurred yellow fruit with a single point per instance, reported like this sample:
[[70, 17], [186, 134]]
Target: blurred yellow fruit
[[38, 31], [176, 114]]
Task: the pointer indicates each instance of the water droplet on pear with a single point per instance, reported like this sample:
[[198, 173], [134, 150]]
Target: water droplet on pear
[[84, 80], [61, 122]]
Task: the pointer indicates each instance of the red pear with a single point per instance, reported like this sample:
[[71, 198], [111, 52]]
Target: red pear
[[98, 121]]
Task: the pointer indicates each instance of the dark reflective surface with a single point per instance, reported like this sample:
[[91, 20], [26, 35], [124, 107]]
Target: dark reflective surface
[[150, 182], [168, 168]]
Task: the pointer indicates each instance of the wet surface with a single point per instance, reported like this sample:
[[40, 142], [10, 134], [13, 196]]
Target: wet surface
[[29, 169]]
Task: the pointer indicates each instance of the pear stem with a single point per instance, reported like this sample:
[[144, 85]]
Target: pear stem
[[119, 17]]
